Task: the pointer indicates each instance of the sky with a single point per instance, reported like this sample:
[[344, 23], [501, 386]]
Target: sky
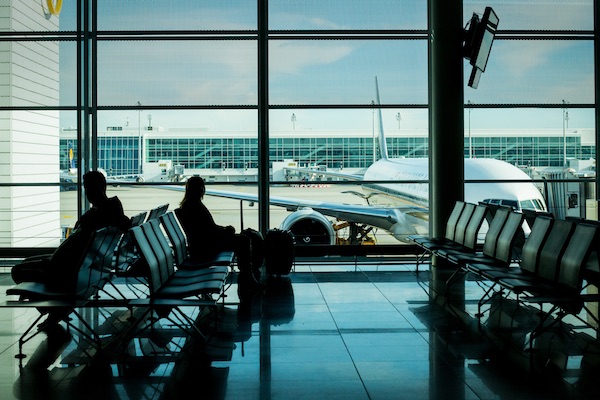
[[327, 72]]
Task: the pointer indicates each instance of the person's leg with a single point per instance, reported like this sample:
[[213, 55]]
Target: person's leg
[[31, 271], [40, 270]]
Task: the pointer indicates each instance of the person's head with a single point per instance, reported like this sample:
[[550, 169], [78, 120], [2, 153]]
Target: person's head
[[94, 184], [194, 190]]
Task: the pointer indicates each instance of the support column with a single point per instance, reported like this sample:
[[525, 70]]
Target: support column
[[263, 116], [446, 111], [263, 179], [446, 131]]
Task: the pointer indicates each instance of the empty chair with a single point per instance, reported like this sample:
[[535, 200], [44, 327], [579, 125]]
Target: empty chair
[[547, 265], [469, 238], [138, 218], [489, 248], [157, 211], [564, 292], [178, 276], [530, 252], [505, 249], [427, 244], [451, 226], [431, 246], [168, 291], [531, 215]]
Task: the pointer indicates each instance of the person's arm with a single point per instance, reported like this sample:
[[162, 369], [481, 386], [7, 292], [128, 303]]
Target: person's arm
[[208, 221], [121, 221]]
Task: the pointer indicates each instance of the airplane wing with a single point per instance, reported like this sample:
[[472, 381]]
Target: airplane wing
[[393, 220]]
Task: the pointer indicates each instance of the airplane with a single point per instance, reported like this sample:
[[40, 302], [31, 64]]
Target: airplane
[[406, 212]]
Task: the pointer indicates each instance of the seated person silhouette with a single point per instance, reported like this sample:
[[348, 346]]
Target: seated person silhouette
[[59, 270], [205, 238]]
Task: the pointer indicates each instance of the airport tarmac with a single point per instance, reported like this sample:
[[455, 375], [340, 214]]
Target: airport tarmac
[[137, 199]]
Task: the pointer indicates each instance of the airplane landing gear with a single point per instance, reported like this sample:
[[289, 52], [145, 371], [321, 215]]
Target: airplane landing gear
[[355, 233]]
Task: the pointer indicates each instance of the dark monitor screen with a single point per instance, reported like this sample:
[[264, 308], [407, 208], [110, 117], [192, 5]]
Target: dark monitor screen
[[483, 44], [474, 78], [478, 43]]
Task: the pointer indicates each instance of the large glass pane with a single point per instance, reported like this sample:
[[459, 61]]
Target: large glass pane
[[344, 71], [177, 73], [524, 120], [67, 70], [538, 72], [133, 144]]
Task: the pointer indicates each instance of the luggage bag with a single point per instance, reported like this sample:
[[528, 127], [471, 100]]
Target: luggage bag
[[279, 252], [257, 250]]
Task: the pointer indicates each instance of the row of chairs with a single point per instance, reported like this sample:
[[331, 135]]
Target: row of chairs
[[96, 270], [552, 265], [169, 278], [158, 257], [170, 287], [169, 265], [502, 245], [462, 230], [551, 271]]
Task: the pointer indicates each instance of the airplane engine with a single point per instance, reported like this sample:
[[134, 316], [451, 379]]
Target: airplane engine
[[309, 227]]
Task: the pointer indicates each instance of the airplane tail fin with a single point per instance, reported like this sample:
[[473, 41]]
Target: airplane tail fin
[[71, 158], [382, 142]]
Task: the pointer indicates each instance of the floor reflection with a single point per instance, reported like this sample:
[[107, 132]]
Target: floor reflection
[[272, 301], [337, 335]]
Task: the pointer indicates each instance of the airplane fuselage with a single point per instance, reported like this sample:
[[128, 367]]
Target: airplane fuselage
[[508, 184]]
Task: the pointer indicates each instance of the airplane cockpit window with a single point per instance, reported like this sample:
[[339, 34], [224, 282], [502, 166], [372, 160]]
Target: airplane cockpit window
[[492, 201], [532, 204], [529, 204], [510, 203]]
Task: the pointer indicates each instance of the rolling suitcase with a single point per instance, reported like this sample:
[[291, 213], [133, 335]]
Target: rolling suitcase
[[279, 306], [279, 252], [257, 250]]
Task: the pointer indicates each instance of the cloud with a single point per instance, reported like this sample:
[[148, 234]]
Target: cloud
[[526, 56], [291, 57]]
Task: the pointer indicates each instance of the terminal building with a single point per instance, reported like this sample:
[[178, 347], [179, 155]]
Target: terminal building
[[233, 155]]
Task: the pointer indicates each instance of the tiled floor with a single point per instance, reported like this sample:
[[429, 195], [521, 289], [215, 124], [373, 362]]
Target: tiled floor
[[324, 332]]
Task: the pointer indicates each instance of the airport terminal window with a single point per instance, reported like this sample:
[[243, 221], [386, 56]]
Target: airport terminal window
[[194, 67]]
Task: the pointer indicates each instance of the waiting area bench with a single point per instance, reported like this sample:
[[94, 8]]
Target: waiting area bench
[[164, 290], [170, 288], [95, 271], [550, 268]]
